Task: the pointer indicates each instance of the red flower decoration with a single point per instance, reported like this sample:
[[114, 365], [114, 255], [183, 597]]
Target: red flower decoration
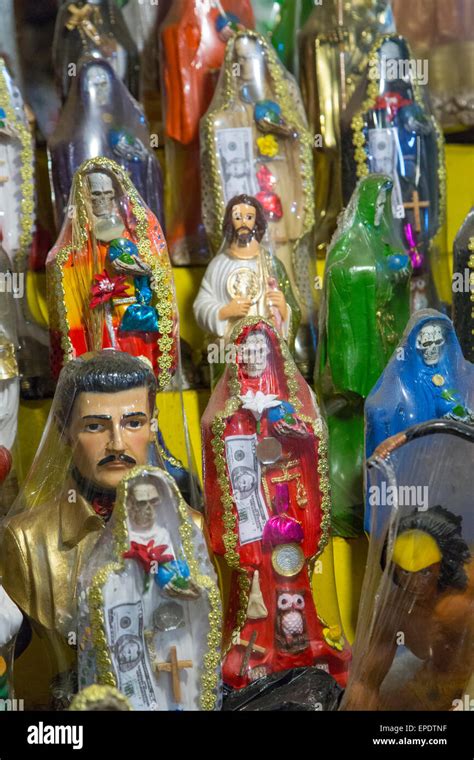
[[392, 101], [148, 553], [105, 288]]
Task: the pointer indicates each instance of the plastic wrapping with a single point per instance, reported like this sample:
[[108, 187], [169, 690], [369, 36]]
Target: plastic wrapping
[[442, 32], [101, 118], [96, 27], [296, 690], [268, 511], [17, 224], [101, 425], [149, 606], [414, 641], [110, 282], [364, 311], [333, 49], [427, 378], [10, 623], [9, 377], [281, 21], [244, 279], [463, 285], [255, 140], [192, 37], [387, 127]]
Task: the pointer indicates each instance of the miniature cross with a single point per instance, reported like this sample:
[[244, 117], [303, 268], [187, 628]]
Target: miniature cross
[[173, 667], [301, 495], [250, 647], [416, 204]]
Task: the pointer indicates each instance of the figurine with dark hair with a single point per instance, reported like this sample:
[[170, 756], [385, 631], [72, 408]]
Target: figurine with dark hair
[[99, 428], [429, 611], [244, 279]]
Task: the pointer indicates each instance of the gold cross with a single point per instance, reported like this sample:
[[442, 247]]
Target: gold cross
[[80, 19], [250, 647], [416, 204], [301, 495], [173, 667]]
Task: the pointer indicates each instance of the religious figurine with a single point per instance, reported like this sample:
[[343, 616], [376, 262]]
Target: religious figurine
[[387, 129], [422, 618], [268, 509], [463, 286], [442, 33], [101, 118], [334, 45], [244, 279], [96, 27], [427, 378], [99, 428], [255, 140], [10, 623], [365, 310], [192, 40], [149, 606], [110, 282], [17, 222], [9, 376]]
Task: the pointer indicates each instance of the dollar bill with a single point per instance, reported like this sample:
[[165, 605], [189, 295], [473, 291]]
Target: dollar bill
[[245, 478], [236, 159], [127, 647]]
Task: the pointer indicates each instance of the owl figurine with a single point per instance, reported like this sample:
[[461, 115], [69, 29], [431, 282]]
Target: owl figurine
[[290, 622]]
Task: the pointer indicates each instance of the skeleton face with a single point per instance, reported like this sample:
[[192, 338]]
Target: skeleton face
[[248, 55], [254, 352], [143, 504], [102, 194], [379, 207], [430, 342], [98, 85]]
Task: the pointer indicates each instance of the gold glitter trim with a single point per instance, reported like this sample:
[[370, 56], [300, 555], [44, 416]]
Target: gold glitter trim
[[27, 213], [358, 123], [162, 283], [212, 658], [88, 698], [229, 519], [291, 117]]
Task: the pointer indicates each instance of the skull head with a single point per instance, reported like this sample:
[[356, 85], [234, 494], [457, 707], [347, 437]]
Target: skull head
[[429, 342], [249, 56], [144, 501], [254, 354], [102, 194], [98, 85]]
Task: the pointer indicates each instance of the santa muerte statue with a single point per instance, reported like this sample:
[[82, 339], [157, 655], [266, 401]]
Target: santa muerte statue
[[101, 118], [149, 606], [255, 140], [365, 309], [463, 286], [388, 128], [192, 41], [110, 282], [267, 509], [96, 27], [427, 378]]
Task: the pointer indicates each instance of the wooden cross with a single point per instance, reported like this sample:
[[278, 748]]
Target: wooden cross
[[250, 647], [301, 495], [173, 667], [416, 204]]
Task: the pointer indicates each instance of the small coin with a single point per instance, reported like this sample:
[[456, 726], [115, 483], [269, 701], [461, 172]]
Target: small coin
[[269, 450]]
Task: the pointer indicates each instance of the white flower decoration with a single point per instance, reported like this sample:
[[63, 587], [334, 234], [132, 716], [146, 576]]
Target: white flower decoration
[[258, 402]]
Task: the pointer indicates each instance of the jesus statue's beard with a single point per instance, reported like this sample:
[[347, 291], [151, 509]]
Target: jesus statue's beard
[[244, 238]]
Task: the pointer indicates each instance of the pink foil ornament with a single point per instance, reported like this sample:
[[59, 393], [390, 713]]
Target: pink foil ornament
[[415, 256], [281, 528]]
